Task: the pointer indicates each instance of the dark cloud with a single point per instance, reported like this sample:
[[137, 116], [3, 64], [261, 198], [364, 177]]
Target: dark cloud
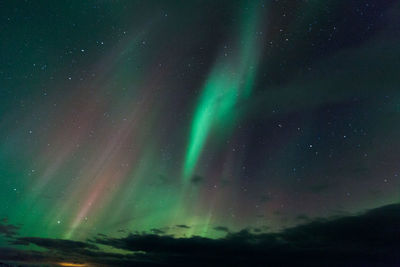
[[369, 239], [372, 237], [221, 229], [197, 179], [302, 217], [24, 258], [8, 230], [182, 226], [17, 257], [157, 231], [56, 244], [373, 229]]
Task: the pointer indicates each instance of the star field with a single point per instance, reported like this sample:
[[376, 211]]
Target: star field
[[195, 118]]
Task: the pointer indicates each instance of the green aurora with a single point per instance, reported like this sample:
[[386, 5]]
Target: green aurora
[[195, 118]]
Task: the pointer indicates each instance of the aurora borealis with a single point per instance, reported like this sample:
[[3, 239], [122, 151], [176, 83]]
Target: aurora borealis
[[205, 122]]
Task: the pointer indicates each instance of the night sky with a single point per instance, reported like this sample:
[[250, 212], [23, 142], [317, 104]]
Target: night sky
[[201, 124]]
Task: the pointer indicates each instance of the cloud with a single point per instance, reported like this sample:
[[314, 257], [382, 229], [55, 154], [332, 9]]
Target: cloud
[[157, 231], [197, 179], [182, 226], [221, 229], [371, 238], [302, 217], [56, 244], [8, 230], [8, 256]]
